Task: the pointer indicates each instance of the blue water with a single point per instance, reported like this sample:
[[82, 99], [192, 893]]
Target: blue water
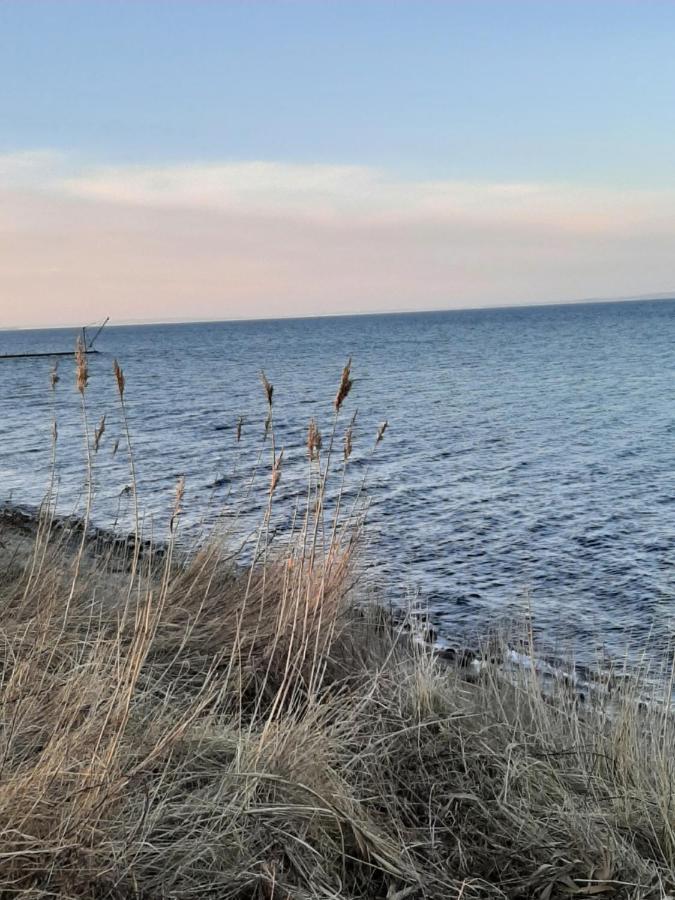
[[529, 460]]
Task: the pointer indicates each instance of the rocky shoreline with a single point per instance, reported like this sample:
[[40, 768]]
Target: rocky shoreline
[[19, 526]]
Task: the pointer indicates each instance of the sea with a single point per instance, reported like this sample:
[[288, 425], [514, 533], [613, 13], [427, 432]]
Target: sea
[[528, 466]]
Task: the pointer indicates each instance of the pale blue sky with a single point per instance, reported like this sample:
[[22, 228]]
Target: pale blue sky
[[506, 90], [556, 95]]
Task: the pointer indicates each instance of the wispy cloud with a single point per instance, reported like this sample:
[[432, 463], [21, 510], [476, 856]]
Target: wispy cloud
[[31, 168], [363, 194], [261, 238]]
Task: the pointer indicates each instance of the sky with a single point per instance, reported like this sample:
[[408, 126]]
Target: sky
[[206, 160]]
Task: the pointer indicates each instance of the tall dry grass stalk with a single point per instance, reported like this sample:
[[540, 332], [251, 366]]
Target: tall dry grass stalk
[[120, 381], [246, 726], [81, 382]]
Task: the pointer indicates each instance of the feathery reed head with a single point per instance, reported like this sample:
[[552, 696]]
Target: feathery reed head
[[313, 440], [81, 368], [116, 446], [345, 386], [178, 500], [349, 435], [119, 378], [269, 388], [276, 472], [98, 434], [380, 432], [54, 376]]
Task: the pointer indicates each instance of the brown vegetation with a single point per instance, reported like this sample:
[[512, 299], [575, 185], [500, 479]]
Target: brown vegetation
[[208, 727]]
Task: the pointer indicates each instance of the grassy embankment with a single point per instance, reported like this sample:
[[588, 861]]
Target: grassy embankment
[[196, 728]]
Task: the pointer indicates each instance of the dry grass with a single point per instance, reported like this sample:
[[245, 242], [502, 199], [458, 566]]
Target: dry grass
[[200, 727]]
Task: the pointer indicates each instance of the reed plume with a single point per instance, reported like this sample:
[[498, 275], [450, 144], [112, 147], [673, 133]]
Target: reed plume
[[349, 436], [276, 472], [54, 376], [313, 440], [119, 378], [269, 388], [81, 367], [178, 502], [345, 386], [98, 434], [380, 432]]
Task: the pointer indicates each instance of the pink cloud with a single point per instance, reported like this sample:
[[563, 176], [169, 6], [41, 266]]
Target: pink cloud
[[270, 239]]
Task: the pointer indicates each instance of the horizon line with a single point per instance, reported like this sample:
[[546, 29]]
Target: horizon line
[[140, 323]]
